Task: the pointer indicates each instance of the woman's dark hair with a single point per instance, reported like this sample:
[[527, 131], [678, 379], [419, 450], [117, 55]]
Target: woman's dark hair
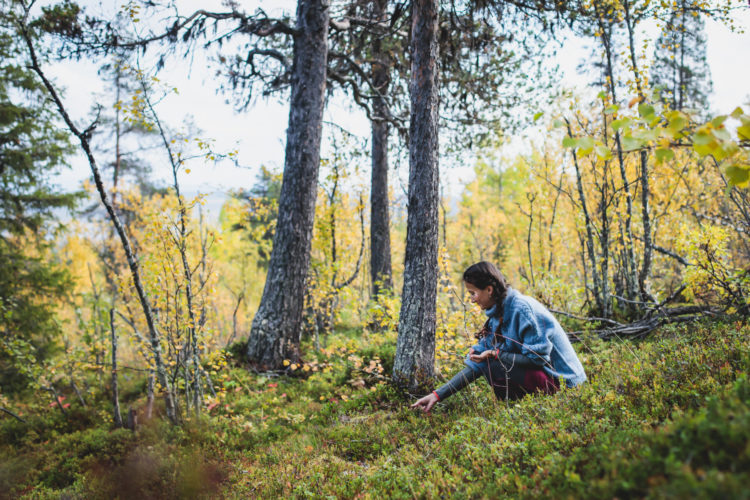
[[484, 274]]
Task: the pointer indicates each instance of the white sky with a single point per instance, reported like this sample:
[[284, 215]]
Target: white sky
[[259, 132]]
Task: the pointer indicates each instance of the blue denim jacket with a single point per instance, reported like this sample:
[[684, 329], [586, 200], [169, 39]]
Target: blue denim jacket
[[530, 329]]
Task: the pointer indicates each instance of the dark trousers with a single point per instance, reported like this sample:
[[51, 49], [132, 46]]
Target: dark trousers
[[507, 382]]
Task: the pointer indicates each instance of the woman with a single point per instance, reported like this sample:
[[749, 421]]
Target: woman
[[521, 349]]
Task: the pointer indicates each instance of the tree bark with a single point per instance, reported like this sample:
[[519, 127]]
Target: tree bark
[[115, 391], [645, 190], [380, 236], [598, 298], [415, 350], [276, 328], [631, 276]]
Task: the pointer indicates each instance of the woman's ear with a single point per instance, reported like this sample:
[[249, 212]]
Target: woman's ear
[[491, 289]]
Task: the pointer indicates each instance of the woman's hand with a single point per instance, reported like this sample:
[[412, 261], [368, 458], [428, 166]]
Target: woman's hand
[[478, 358], [426, 403]]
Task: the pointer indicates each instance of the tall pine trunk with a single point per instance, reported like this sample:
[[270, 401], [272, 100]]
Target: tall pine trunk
[[413, 366], [275, 332], [380, 236]]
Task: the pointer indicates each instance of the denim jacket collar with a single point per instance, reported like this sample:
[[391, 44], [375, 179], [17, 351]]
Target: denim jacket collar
[[492, 311]]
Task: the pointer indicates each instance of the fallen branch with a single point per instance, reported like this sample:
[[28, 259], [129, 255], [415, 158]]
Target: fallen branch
[[641, 328], [12, 414]]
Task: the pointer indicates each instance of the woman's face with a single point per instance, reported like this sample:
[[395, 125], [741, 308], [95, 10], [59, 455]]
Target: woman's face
[[480, 296]]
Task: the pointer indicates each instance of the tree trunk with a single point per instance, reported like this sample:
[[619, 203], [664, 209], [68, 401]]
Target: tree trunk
[[275, 332], [645, 191], [124, 239], [150, 394], [632, 270], [600, 305], [380, 236], [115, 392], [415, 351]]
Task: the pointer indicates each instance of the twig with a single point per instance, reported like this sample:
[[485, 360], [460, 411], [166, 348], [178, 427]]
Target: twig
[[12, 414]]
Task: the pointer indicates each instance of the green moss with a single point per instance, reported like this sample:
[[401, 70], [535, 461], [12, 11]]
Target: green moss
[[665, 417]]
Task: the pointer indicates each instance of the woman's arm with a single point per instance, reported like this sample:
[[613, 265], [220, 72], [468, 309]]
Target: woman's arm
[[532, 340], [508, 359], [458, 382]]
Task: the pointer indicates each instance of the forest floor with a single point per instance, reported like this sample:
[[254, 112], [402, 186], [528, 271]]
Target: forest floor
[[668, 416]]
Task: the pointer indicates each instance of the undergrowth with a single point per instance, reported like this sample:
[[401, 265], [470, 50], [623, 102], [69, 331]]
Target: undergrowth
[[665, 417]]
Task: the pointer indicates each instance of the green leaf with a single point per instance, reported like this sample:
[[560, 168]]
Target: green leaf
[[743, 131], [558, 123], [702, 138], [663, 154], [719, 120], [538, 115], [722, 134], [668, 133], [737, 112], [609, 110], [704, 143], [569, 142], [630, 143], [603, 152], [739, 175], [602, 95], [585, 145], [677, 121], [679, 127], [621, 123], [719, 152], [645, 110], [702, 150], [655, 119], [647, 134]]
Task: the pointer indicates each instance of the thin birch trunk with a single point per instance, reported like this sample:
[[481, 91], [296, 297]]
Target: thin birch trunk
[[589, 234], [115, 391], [645, 190], [125, 241], [192, 355], [632, 274]]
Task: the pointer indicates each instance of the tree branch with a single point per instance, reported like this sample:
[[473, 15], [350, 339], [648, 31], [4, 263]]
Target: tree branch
[[12, 414]]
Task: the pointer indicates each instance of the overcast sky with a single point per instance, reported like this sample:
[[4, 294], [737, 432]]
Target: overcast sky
[[259, 132]]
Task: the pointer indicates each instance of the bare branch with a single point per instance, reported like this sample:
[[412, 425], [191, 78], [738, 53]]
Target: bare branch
[[270, 53], [669, 253], [261, 27], [361, 248], [12, 414]]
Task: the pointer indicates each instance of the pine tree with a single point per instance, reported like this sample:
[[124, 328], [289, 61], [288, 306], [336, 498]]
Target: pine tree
[[680, 68], [31, 149]]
